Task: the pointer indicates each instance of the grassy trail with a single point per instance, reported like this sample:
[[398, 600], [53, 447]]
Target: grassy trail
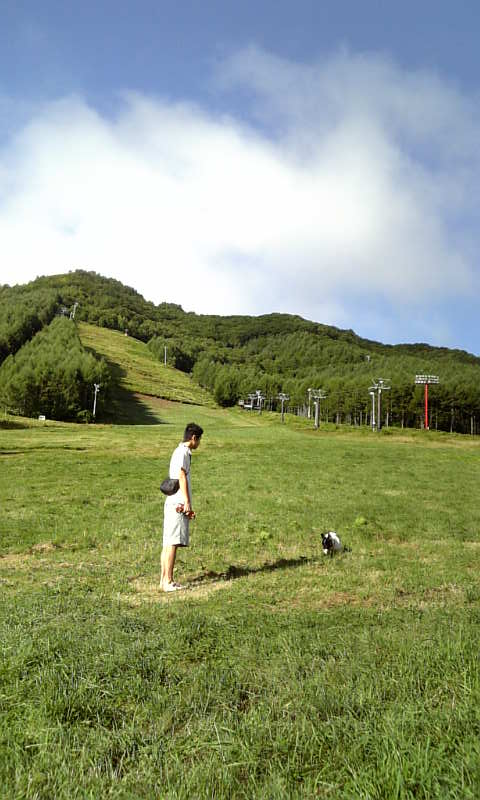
[[279, 673], [139, 377]]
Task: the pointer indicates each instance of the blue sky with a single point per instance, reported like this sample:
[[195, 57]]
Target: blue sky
[[316, 158]]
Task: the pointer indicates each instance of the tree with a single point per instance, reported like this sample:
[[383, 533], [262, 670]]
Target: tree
[[226, 390], [52, 374]]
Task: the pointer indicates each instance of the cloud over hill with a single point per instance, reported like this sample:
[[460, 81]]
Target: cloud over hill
[[349, 195]]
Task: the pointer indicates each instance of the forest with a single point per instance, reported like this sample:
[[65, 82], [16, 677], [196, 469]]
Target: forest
[[231, 356], [53, 375]]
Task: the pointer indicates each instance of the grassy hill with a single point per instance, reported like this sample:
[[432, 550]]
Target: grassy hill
[[139, 378]]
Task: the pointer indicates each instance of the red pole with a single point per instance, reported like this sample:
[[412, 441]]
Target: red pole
[[426, 406]]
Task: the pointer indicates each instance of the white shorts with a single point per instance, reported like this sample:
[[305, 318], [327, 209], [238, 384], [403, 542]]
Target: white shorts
[[175, 527]]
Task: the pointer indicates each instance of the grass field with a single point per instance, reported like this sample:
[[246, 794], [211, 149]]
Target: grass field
[[278, 673]]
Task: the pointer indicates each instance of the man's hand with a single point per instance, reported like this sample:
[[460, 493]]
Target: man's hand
[[184, 508]]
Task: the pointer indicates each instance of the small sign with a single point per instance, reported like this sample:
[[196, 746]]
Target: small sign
[[42, 417]]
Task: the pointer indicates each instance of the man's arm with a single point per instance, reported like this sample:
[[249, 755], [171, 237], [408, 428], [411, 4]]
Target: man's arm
[[187, 507]]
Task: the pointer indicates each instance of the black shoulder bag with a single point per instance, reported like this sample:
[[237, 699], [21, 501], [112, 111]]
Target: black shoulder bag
[[170, 486]]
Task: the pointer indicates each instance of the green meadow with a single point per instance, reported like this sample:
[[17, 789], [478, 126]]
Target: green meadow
[[279, 672]]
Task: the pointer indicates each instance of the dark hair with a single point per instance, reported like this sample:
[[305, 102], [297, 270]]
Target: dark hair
[[192, 430]]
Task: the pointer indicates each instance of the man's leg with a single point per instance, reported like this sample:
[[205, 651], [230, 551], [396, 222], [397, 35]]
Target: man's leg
[[169, 553], [163, 568]]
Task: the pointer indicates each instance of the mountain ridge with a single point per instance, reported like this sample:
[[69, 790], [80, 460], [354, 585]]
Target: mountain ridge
[[232, 356], [86, 284]]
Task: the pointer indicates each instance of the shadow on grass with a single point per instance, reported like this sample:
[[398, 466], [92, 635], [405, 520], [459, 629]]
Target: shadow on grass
[[42, 449], [127, 409], [10, 424], [234, 571], [121, 406]]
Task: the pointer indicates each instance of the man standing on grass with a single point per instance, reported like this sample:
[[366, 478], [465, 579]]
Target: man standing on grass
[[178, 509]]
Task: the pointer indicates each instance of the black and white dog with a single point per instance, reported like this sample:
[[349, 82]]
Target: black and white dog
[[331, 543]]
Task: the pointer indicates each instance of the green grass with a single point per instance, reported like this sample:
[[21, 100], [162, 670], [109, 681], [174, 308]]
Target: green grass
[[139, 377], [279, 673]]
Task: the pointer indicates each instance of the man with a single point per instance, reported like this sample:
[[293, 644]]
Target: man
[[178, 509]]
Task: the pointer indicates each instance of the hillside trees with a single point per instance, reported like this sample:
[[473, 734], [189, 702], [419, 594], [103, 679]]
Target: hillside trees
[[454, 403], [22, 314], [53, 375]]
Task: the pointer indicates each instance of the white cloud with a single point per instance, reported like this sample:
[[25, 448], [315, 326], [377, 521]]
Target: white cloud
[[356, 181]]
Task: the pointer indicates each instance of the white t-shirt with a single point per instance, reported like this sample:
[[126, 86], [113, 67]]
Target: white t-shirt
[[181, 458]]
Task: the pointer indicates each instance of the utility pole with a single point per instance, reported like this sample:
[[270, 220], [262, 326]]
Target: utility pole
[[426, 380], [283, 397], [97, 389]]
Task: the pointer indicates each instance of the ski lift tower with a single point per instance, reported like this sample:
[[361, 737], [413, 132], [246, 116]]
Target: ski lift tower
[[283, 398], [317, 394], [96, 386], [252, 397], [372, 395], [260, 398], [426, 380], [378, 387]]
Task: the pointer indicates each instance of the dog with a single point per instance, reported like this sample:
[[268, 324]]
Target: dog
[[331, 543]]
